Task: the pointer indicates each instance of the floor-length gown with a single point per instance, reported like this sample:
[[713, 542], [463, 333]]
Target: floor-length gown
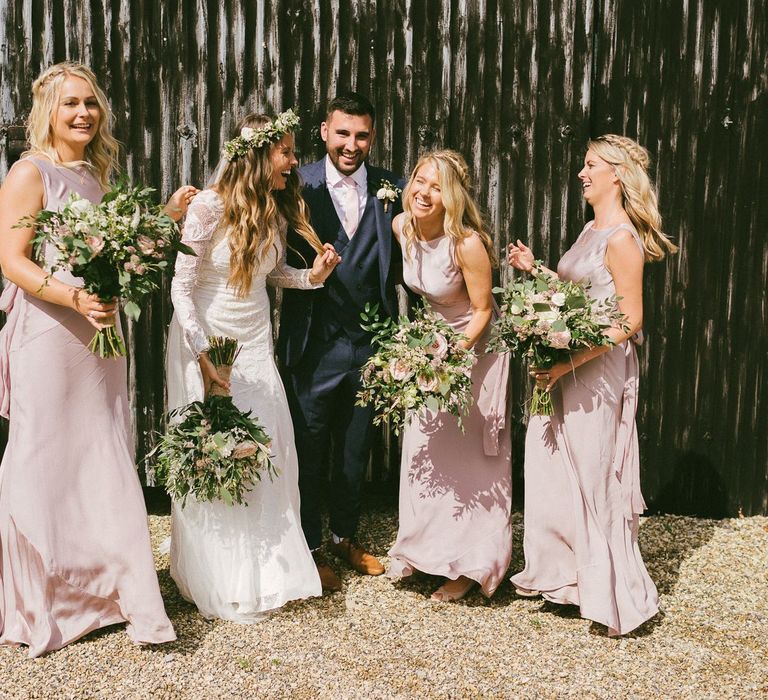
[[75, 553], [582, 475], [455, 488], [236, 561]]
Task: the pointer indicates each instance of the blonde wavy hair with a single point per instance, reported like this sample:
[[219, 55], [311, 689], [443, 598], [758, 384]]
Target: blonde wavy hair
[[639, 199], [462, 214], [253, 209], [102, 152]]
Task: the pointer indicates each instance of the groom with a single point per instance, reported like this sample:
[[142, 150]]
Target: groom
[[321, 345]]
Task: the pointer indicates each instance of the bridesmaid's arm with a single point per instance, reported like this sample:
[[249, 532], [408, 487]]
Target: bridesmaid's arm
[[472, 258], [22, 195], [624, 260], [521, 257], [397, 226], [179, 202]]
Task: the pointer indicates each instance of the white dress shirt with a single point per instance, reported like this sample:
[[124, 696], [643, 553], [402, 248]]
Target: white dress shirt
[[334, 179]]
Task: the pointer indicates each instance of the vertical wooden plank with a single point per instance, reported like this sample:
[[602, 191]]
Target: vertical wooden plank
[[518, 88], [692, 92]]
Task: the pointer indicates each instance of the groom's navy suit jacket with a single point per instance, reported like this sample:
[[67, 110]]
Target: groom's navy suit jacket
[[371, 264]]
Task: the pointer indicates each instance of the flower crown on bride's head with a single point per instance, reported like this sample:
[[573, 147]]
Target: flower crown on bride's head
[[271, 132]]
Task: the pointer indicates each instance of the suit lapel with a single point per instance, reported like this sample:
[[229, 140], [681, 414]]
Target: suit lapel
[[383, 229]]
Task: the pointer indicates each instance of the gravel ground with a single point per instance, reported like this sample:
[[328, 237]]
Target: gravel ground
[[386, 640]]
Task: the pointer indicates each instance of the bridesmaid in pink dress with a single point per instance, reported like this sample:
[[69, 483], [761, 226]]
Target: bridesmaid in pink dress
[[455, 488], [74, 544], [582, 470]]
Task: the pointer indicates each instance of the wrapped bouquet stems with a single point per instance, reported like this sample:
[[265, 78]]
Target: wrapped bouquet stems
[[212, 450]]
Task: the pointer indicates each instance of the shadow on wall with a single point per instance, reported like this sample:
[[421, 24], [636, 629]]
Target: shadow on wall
[[695, 487]]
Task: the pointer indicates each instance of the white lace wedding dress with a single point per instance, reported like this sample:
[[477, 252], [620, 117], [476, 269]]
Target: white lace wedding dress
[[236, 562]]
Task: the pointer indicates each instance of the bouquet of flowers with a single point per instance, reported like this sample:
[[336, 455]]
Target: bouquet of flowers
[[119, 247], [211, 449], [545, 319], [419, 364]]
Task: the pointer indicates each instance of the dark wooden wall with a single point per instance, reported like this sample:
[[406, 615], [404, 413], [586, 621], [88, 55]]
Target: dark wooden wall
[[518, 86]]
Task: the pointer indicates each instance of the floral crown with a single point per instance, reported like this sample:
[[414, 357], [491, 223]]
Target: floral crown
[[271, 132]]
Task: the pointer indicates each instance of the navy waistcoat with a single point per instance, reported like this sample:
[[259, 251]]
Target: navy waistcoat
[[353, 284]]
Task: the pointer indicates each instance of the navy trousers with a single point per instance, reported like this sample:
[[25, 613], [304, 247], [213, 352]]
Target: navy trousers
[[321, 391]]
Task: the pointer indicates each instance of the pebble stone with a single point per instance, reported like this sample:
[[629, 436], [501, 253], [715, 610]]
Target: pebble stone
[[381, 639]]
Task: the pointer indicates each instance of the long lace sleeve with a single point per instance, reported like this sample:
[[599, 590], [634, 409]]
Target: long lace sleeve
[[202, 221], [283, 275]]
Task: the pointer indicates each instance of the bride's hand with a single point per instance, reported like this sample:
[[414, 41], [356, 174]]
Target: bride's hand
[[520, 256], [179, 202], [210, 375], [324, 264]]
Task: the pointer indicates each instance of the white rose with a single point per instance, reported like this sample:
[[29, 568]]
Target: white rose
[[381, 194], [426, 383], [247, 133], [559, 339], [515, 309], [558, 299], [80, 206], [439, 346], [399, 370], [390, 194], [244, 449], [95, 243]]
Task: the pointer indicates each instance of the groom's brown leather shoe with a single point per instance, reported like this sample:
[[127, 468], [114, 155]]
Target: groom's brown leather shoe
[[328, 578], [359, 559]]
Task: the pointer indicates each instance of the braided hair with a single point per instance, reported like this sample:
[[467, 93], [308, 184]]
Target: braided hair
[[462, 213], [639, 199]]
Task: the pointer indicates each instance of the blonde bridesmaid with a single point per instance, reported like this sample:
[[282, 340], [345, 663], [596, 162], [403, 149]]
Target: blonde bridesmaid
[[582, 480]]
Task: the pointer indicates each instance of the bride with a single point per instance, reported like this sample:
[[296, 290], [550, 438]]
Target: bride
[[237, 561]]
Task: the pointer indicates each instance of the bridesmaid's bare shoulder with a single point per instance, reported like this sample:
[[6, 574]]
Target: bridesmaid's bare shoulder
[[22, 191], [470, 248]]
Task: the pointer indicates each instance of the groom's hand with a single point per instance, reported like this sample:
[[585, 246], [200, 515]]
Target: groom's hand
[[324, 264]]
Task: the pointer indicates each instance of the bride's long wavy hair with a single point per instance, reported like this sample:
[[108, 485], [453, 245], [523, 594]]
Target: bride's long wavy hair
[[252, 209]]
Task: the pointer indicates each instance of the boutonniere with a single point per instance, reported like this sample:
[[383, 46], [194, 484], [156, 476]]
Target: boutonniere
[[387, 193]]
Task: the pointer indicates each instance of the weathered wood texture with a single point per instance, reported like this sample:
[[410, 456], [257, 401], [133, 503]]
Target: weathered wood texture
[[518, 87]]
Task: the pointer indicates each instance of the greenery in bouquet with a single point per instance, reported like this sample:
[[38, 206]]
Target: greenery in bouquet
[[119, 247], [211, 450], [544, 319], [419, 364]]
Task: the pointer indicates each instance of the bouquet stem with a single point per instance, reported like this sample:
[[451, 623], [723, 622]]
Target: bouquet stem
[[107, 344], [541, 401], [225, 372]]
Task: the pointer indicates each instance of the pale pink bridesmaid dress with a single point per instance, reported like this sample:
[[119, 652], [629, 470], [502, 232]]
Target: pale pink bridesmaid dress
[[75, 553], [582, 476], [455, 488]]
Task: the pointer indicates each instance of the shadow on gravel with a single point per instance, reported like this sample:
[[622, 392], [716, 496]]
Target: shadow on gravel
[[666, 541]]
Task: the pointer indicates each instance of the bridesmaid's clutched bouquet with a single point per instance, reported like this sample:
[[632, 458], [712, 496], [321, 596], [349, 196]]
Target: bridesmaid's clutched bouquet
[[119, 248], [211, 450], [419, 364], [545, 319]]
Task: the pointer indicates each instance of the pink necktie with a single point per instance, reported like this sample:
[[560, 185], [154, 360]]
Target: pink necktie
[[351, 205]]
